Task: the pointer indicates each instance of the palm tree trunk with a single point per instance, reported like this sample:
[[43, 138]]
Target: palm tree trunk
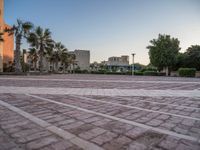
[[41, 59], [41, 63], [35, 63], [56, 66], [18, 67], [64, 68]]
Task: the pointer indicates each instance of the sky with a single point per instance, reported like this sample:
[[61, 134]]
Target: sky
[[110, 27]]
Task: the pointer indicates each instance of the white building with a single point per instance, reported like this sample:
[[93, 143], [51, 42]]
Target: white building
[[118, 63]]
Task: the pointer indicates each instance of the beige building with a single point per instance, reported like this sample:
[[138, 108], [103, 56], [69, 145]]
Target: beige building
[[82, 59], [118, 61]]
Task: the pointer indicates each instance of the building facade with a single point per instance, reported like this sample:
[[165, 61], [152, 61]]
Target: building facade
[[1, 30], [82, 59], [7, 46], [118, 64]]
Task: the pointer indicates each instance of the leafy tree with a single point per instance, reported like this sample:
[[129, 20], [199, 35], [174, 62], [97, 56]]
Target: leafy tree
[[180, 61], [41, 40], [192, 57], [163, 52], [20, 30]]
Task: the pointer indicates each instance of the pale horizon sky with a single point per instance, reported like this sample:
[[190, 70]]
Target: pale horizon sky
[[111, 27]]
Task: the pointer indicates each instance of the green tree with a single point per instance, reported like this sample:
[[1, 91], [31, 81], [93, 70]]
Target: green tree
[[163, 52], [180, 62], [20, 30], [41, 40], [192, 55]]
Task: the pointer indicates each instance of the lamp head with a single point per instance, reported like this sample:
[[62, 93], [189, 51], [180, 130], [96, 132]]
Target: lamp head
[[133, 54]]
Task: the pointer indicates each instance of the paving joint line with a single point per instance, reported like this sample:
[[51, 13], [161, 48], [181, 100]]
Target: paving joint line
[[133, 107], [58, 131], [166, 132], [107, 81], [157, 103], [108, 92]]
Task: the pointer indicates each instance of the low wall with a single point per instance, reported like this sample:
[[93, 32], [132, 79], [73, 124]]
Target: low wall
[[175, 74]]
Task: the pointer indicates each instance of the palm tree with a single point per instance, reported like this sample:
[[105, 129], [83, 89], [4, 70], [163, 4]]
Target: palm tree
[[41, 40], [64, 58], [49, 56], [20, 30], [59, 49], [33, 56], [72, 62]]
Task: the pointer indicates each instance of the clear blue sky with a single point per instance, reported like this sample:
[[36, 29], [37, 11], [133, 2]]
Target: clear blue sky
[[111, 27]]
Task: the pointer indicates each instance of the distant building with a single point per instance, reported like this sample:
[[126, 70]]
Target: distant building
[[82, 59], [7, 46], [118, 63]]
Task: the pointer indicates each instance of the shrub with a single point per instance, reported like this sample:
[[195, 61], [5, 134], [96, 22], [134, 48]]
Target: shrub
[[149, 69], [150, 73], [187, 72], [116, 73], [161, 73], [81, 71], [98, 72], [138, 73]]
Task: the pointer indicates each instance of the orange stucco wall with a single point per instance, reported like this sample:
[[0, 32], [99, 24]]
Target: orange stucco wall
[[8, 47], [1, 30]]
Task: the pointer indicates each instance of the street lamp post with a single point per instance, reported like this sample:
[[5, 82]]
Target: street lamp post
[[133, 54]]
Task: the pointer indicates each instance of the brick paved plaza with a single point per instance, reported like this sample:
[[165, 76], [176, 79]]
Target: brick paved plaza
[[96, 112]]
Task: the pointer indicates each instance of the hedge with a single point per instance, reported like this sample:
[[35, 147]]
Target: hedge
[[150, 73], [138, 73], [187, 72]]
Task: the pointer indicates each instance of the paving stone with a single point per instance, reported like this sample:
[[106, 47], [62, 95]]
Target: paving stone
[[101, 122], [39, 143], [92, 119], [34, 136], [72, 125], [103, 138], [92, 133], [61, 145], [150, 138], [137, 146], [154, 122], [188, 122], [180, 130], [135, 132], [169, 143], [82, 128], [163, 117], [118, 143], [188, 145]]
